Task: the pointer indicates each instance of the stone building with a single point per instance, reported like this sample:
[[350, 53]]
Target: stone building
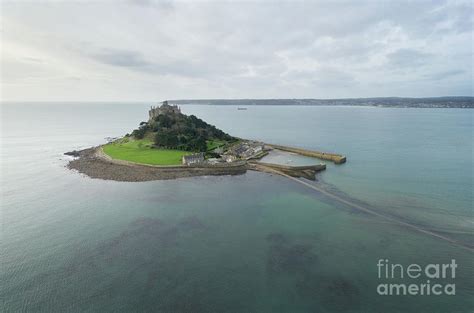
[[193, 159], [247, 149], [229, 158], [165, 108]]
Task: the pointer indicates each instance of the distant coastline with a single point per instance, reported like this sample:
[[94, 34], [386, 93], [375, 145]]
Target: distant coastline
[[455, 102], [463, 102]]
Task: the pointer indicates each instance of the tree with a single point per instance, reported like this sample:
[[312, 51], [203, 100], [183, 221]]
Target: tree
[[167, 138], [179, 131], [164, 120], [140, 132], [201, 145]]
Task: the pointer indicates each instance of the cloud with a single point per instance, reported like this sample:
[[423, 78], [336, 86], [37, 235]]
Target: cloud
[[164, 4], [166, 49], [122, 58], [445, 74], [408, 58], [136, 61]]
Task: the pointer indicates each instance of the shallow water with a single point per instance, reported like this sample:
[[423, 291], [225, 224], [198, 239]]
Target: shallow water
[[250, 243], [289, 158]]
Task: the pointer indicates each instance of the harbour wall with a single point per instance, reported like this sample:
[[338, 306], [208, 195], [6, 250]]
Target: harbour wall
[[306, 171], [336, 158]]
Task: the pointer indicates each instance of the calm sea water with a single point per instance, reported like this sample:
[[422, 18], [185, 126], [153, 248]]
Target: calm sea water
[[249, 243]]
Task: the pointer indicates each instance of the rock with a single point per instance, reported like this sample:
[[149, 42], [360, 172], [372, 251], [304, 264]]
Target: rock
[[73, 153]]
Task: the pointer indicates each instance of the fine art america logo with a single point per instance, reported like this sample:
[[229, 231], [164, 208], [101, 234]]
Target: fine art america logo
[[414, 279]]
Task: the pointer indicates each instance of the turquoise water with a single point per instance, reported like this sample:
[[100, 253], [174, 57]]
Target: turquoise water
[[250, 243]]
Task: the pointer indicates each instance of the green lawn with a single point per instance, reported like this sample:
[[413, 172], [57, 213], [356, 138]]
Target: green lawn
[[139, 151], [212, 144]]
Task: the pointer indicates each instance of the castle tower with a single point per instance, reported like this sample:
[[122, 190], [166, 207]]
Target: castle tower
[[165, 108]]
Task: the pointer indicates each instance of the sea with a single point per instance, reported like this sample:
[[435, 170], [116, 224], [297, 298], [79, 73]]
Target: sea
[[250, 243]]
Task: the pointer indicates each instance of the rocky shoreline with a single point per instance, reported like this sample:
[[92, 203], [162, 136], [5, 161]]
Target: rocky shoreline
[[91, 162]]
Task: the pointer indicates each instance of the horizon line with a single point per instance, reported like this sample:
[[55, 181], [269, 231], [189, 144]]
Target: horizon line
[[237, 99]]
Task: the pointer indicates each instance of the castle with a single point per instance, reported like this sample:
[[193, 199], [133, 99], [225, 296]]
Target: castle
[[165, 108]]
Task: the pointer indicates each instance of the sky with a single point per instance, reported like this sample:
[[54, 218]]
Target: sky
[[146, 50]]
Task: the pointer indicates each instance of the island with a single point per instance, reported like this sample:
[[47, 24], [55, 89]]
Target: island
[[173, 145]]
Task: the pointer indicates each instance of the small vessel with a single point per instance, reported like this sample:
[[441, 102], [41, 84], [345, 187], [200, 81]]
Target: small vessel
[[241, 108]]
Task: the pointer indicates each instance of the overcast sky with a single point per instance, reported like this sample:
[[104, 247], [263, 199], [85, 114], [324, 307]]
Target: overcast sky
[[151, 51]]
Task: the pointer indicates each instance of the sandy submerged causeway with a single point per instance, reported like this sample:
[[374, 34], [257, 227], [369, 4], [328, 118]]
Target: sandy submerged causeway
[[91, 162], [95, 164]]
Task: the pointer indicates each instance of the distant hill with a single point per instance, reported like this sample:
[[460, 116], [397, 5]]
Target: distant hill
[[437, 102]]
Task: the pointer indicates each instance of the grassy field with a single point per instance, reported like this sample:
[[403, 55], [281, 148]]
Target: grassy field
[[140, 151], [212, 144]]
